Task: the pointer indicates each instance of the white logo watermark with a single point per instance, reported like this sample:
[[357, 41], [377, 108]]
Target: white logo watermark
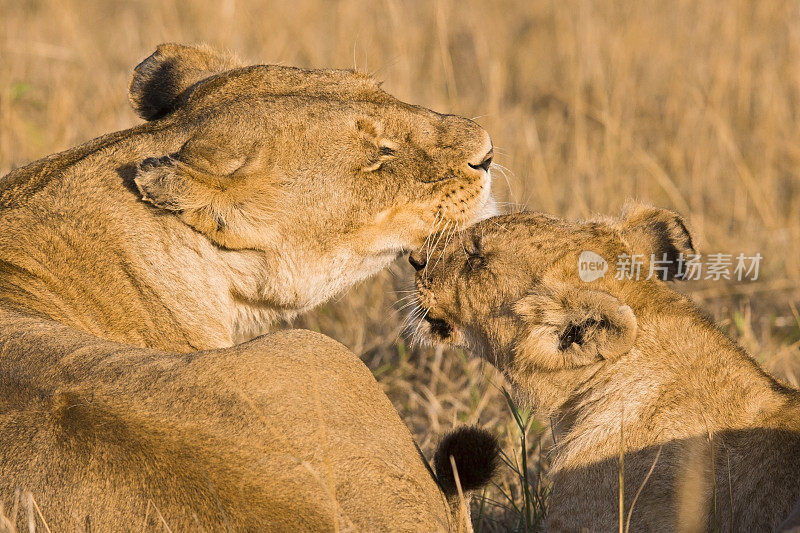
[[592, 266]]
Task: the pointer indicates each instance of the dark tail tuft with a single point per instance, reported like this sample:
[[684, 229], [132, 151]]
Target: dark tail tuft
[[476, 454]]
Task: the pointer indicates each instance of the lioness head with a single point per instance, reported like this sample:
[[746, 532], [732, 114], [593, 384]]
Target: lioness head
[[512, 287], [322, 169]]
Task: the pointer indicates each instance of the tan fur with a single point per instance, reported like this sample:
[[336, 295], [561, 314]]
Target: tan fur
[[256, 193], [288, 432], [620, 363], [251, 193]]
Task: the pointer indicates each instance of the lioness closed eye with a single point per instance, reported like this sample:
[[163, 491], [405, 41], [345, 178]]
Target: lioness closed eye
[[619, 362]]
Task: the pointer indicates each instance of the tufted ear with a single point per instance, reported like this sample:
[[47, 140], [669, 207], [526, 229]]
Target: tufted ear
[[656, 232], [206, 184], [158, 82], [570, 327]]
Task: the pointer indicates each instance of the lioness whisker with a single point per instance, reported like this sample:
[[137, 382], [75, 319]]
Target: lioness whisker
[[446, 231], [430, 246], [508, 182], [453, 231]]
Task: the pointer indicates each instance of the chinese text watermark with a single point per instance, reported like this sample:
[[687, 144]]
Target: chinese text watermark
[[719, 266]]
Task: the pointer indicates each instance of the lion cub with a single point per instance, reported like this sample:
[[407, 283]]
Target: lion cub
[[710, 439]]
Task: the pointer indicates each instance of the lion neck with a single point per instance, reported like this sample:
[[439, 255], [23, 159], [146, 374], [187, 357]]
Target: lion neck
[[236, 295]]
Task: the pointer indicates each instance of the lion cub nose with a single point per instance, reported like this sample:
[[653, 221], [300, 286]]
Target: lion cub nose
[[485, 163], [417, 260]]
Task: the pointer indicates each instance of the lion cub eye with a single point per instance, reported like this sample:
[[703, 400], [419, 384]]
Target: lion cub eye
[[387, 151], [475, 261], [475, 258]]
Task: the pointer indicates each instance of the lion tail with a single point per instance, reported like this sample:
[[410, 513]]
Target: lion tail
[[474, 452]]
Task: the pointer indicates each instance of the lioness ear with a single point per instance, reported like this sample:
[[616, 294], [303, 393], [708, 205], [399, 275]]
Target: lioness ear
[[659, 233], [160, 80], [570, 327], [204, 183]]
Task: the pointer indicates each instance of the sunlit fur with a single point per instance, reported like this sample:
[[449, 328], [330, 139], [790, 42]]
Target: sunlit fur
[[256, 193], [710, 440], [288, 432], [131, 265]]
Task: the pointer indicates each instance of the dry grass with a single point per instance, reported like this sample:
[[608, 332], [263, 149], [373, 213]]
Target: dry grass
[[689, 105]]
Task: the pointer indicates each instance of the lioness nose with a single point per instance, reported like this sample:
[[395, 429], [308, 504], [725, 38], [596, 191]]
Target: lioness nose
[[417, 260], [485, 163]]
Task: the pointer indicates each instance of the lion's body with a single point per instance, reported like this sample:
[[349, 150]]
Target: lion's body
[[730, 433], [621, 365], [252, 193], [287, 432]]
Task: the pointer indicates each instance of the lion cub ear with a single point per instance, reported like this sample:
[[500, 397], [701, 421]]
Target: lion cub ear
[[159, 81], [570, 327], [204, 184], [660, 233]]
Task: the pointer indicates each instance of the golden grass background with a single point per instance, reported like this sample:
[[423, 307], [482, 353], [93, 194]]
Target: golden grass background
[[687, 105]]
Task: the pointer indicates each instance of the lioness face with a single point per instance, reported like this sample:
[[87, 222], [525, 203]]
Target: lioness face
[[321, 168], [509, 288]]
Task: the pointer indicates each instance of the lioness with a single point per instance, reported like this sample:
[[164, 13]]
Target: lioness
[[710, 440], [251, 193]]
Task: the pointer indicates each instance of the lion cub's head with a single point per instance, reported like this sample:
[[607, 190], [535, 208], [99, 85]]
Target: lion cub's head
[[533, 293], [322, 168]]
